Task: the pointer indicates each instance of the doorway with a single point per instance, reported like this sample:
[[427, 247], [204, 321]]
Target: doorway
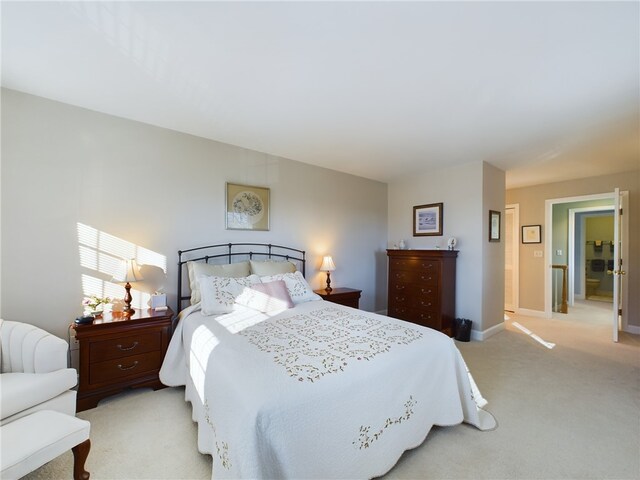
[[511, 257], [556, 247]]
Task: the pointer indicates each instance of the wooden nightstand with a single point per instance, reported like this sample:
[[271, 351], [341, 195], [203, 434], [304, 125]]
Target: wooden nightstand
[[119, 352], [344, 296]]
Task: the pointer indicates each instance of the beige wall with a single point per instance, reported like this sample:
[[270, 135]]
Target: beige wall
[[468, 192], [532, 211], [158, 191]]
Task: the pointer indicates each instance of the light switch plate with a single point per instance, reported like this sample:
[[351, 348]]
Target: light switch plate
[[537, 253]]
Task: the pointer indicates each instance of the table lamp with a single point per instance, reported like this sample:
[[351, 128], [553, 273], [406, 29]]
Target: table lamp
[[328, 266], [129, 272]]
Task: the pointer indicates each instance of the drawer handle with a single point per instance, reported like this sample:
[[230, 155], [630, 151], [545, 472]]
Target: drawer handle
[[124, 349], [129, 367], [399, 287], [399, 299]]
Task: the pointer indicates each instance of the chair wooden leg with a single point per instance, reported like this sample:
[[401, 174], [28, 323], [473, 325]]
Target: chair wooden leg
[[80, 454]]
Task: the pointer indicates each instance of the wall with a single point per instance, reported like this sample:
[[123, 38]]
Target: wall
[[67, 169], [532, 211], [467, 192]]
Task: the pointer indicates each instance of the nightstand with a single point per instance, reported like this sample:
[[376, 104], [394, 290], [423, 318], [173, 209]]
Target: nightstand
[[119, 352], [349, 297]]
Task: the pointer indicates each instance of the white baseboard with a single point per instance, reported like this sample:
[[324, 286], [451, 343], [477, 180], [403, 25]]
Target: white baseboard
[[635, 329], [578, 296], [483, 335], [531, 313], [381, 312]]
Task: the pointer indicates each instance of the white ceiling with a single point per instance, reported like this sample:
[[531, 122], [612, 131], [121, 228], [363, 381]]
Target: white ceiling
[[377, 89]]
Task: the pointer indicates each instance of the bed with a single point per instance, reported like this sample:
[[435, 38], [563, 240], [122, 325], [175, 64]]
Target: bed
[[307, 388]]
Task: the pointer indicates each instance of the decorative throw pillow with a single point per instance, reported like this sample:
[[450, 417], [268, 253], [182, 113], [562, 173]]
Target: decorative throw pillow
[[199, 269], [266, 297], [270, 267], [219, 293], [299, 289]]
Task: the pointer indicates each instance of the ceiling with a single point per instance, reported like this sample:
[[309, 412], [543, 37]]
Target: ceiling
[[376, 89]]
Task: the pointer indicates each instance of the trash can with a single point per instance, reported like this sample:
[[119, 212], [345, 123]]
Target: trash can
[[463, 329]]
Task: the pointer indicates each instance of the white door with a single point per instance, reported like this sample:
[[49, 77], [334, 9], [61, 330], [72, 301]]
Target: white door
[[508, 260], [617, 267]]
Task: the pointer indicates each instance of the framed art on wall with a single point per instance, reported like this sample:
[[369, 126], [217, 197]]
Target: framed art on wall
[[427, 220], [531, 234], [494, 226], [247, 207]]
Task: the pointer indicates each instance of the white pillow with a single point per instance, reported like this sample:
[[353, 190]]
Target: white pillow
[[299, 290], [198, 269], [266, 297], [219, 293], [271, 267]]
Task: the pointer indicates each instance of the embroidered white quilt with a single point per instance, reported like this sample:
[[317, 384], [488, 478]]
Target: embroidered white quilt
[[317, 391]]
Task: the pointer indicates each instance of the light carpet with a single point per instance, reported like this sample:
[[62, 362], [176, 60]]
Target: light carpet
[[571, 412]]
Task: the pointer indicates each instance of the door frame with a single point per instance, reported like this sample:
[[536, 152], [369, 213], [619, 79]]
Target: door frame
[[516, 253], [548, 244]]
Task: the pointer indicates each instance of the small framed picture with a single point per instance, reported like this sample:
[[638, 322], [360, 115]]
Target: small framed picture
[[427, 220], [494, 226], [247, 207], [531, 234]]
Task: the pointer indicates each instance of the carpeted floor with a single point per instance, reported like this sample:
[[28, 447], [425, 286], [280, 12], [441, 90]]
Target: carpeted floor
[[570, 412]]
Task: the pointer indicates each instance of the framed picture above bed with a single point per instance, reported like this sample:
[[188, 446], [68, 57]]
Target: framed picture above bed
[[247, 207], [427, 220]]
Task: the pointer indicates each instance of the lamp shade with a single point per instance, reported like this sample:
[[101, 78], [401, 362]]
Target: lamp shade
[[327, 264], [128, 272]]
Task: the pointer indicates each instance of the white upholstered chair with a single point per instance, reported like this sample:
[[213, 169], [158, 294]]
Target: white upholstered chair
[[34, 374]]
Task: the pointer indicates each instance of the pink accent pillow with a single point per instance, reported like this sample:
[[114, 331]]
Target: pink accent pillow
[[266, 297]]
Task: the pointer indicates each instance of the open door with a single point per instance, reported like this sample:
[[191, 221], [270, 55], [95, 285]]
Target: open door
[[618, 271]]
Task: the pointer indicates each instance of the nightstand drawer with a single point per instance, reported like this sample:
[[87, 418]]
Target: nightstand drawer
[[125, 346], [120, 368]]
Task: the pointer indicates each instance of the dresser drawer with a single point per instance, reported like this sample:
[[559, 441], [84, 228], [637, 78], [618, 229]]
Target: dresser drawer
[[429, 319], [124, 346], [423, 265], [413, 290], [416, 276], [120, 368]]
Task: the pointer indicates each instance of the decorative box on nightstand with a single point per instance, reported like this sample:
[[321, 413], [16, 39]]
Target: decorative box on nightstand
[[344, 296], [119, 352]]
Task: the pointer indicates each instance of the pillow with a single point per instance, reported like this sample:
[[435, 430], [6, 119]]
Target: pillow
[[270, 267], [266, 297], [198, 269], [219, 293], [299, 289]]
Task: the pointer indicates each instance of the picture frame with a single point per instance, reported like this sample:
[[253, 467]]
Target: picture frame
[[247, 207], [531, 234], [494, 226], [427, 220]]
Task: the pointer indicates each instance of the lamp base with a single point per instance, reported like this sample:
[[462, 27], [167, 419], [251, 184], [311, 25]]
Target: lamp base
[[328, 289], [127, 300]]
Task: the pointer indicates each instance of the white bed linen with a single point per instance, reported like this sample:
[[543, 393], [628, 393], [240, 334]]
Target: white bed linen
[[317, 391]]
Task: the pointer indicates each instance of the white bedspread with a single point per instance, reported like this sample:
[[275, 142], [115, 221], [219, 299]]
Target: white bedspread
[[317, 391]]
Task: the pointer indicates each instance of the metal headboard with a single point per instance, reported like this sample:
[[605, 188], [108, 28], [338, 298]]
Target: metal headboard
[[231, 252]]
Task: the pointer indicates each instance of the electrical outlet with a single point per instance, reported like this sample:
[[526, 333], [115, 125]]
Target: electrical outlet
[[559, 253], [74, 344], [537, 253]]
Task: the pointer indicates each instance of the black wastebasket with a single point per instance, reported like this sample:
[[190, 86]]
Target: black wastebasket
[[463, 329]]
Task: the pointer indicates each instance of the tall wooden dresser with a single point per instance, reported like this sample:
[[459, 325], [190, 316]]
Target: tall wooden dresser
[[422, 287]]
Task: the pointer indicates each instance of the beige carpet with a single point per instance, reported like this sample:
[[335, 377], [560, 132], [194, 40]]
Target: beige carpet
[[568, 412]]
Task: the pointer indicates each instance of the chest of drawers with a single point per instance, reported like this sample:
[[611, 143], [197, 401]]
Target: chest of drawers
[[119, 352], [422, 287]]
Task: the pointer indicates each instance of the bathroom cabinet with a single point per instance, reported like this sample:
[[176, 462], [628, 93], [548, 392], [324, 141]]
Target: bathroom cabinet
[[422, 287]]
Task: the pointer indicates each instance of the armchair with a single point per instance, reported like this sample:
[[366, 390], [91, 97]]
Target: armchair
[[33, 372]]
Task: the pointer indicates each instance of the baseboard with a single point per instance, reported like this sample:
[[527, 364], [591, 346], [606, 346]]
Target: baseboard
[[578, 296], [531, 313], [489, 332], [382, 312], [634, 329]]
